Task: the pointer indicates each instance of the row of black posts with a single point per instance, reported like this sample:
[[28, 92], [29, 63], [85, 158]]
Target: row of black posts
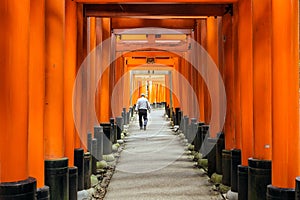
[[249, 182], [63, 182], [85, 164]]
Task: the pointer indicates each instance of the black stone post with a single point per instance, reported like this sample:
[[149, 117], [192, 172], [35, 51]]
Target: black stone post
[[173, 117], [119, 127], [243, 182], [113, 130], [297, 190], [131, 111], [73, 183], [275, 193], [163, 104], [87, 170], [197, 140], [128, 117], [89, 141], [78, 162], [107, 139], [176, 122], [42, 193], [226, 167], [180, 119], [124, 115], [204, 134], [57, 178], [219, 148], [94, 152], [259, 178], [185, 125], [211, 156], [188, 133], [235, 162], [192, 131], [20, 190], [168, 111], [98, 134]]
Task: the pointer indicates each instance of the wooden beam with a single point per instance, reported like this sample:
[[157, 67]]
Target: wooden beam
[[146, 30], [137, 62], [126, 23], [150, 54], [163, 10], [182, 47], [157, 1]]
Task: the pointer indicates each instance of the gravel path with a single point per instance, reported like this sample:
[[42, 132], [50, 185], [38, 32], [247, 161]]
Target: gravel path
[[154, 165]]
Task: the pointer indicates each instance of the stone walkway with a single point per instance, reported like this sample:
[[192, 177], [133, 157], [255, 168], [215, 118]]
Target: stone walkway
[[154, 165]]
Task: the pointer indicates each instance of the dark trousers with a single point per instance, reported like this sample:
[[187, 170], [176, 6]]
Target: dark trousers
[[143, 114]]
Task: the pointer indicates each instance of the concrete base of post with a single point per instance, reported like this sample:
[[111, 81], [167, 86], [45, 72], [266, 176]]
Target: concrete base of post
[[259, 177], [87, 170], [243, 182], [297, 189], [25, 189], [107, 139], [79, 163], [275, 193], [73, 182], [226, 167], [211, 156], [219, 148], [235, 162], [56, 177], [43, 193]]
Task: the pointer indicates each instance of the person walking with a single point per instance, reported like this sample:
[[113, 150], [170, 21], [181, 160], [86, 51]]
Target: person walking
[[142, 105]]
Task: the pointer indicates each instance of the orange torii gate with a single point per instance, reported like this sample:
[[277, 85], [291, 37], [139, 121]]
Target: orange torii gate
[[44, 43]]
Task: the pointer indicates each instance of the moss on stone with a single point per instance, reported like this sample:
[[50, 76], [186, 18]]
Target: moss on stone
[[191, 147], [102, 164], [224, 188], [203, 163], [94, 180], [216, 178], [109, 157], [115, 147], [197, 156]]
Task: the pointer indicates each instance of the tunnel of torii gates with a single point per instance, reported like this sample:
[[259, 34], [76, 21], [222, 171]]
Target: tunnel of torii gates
[[253, 43]]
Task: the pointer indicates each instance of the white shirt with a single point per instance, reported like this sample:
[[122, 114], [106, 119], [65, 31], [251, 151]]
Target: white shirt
[[142, 103]]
